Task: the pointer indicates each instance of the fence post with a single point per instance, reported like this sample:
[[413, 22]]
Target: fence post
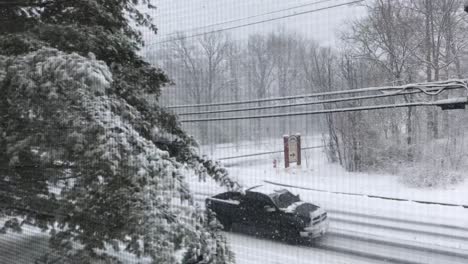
[[286, 150], [298, 136]]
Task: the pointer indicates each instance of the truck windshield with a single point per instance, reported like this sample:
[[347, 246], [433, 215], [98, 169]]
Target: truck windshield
[[285, 199]]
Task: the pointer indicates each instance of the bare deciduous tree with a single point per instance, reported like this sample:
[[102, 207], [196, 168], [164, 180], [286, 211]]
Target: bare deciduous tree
[[260, 65], [199, 69], [286, 69]]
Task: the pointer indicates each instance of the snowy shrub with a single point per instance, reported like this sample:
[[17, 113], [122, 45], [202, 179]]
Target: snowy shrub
[[386, 156], [429, 174], [440, 163], [359, 145]]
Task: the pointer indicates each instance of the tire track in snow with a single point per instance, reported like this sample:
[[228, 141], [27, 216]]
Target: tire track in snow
[[397, 228], [398, 220], [252, 250], [383, 241], [359, 251]]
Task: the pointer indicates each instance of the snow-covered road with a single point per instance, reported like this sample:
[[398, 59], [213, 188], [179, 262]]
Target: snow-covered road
[[373, 217], [353, 238], [254, 250], [333, 248], [453, 237]]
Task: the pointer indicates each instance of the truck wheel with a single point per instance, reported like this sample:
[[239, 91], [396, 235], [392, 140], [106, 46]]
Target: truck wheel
[[292, 236]]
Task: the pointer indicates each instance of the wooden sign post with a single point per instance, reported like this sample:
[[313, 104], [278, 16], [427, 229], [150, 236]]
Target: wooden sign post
[[292, 149]]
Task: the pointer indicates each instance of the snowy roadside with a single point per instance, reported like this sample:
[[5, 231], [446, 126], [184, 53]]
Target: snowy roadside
[[317, 173]]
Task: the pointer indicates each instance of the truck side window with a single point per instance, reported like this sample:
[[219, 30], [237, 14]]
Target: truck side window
[[256, 201], [266, 200]]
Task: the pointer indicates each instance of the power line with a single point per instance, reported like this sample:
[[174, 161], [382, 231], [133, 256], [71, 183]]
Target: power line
[[250, 17], [264, 153], [423, 87], [398, 93], [441, 103], [242, 145], [257, 22]]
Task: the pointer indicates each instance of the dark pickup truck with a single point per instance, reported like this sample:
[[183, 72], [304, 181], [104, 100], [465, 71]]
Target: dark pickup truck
[[276, 211]]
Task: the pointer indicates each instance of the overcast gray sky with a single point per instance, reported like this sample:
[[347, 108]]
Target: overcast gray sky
[[184, 15]]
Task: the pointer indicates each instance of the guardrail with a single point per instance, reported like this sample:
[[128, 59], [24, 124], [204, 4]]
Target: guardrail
[[368, 195]]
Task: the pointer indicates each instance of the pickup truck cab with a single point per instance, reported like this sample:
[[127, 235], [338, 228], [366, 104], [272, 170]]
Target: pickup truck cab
[[276, 211]]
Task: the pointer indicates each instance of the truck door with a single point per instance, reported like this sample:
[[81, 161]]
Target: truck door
[[247, 208], [259, 213]]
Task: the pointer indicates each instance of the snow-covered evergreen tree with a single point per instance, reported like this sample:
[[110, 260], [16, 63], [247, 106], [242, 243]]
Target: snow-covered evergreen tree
[[74, 115]]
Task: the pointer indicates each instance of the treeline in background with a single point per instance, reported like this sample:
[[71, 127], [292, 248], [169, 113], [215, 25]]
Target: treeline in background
[[395, 43]]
